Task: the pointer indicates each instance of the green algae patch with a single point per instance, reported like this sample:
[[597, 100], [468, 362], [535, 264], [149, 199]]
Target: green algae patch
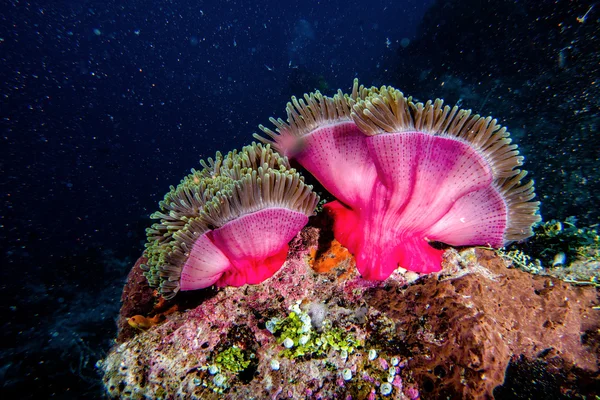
[[232, 359], [296, 334]]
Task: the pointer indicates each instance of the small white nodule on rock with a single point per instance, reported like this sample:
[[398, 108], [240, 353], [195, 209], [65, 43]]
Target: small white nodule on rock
[[347, 374], [386, 389], [372, 354], [274, 365], [303, 340]]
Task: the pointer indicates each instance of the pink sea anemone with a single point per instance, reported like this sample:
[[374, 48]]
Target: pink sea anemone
[[228, 224], [407, 174]]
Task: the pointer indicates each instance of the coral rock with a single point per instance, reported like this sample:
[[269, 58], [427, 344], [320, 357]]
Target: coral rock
[[463, 332], [448, 334]]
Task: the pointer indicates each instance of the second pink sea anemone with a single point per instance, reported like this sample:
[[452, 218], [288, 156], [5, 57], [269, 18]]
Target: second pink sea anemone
[[228, 224]]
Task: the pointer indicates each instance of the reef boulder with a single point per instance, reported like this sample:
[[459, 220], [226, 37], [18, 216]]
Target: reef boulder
[[332, 334]]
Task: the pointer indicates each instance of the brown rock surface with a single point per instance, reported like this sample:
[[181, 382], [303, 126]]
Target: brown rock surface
[[137, 298], [462, 329]]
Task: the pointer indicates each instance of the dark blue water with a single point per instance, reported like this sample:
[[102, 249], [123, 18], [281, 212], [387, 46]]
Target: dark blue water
[[104, 104]]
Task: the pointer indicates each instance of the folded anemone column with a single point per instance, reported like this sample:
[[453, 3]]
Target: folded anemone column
[[406, 174], [229, 223]]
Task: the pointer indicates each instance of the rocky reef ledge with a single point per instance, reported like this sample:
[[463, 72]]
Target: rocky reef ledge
[[316, 330]]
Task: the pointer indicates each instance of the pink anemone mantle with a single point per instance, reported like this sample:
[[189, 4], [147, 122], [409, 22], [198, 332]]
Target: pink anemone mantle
[[246, 250], [399, 191]]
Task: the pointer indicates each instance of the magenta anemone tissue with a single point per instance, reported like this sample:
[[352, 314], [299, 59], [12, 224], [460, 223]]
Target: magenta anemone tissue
[[407, 174]]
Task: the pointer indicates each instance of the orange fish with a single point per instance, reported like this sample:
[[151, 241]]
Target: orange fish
[[141, 322]]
